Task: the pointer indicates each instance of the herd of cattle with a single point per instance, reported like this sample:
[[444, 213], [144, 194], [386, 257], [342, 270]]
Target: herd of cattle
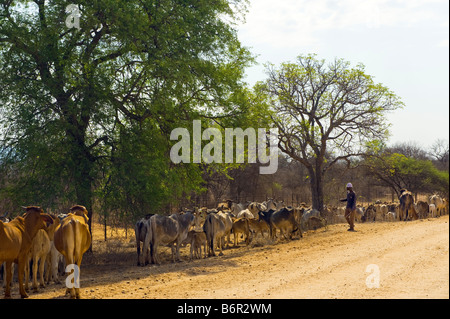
[[45, 239], [41, 237]]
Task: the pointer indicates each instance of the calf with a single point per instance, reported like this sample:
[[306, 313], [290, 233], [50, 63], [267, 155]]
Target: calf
[[198, 239]]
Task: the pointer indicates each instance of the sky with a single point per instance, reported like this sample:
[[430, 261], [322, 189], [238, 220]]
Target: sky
[[404, 44]]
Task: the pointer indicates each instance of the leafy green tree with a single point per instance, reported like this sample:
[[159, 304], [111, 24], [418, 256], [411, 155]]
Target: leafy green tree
[[399, 171], [82, 106], [326, 113]]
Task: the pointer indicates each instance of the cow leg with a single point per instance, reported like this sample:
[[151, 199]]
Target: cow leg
[[77, 288], [138, 244], [221, 245], [27, 275], [192, 252], [8, 269], [174, 253], [21, 272], [71, 291], [35, 270], [177, 251], [41, 272], [155, 254]]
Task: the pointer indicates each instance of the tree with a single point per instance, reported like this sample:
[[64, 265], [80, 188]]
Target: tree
[[72, 95], [399, 171], [440, 153], [326, 113]]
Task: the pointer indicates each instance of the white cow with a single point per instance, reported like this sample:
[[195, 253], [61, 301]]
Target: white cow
[[439, 203], [432, 208]]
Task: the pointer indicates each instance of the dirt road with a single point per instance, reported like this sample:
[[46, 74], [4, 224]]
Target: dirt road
[[412, 259]]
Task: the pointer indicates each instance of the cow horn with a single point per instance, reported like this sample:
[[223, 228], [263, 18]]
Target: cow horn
[[24, 207]]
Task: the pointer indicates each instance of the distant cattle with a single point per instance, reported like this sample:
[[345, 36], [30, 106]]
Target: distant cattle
[[406, 208], [439, 203], [370, 214], [168, 230], [73, 239], [271, 204], [381, 211], [391, 216], [422, 209], [15, 242], [246, 213]]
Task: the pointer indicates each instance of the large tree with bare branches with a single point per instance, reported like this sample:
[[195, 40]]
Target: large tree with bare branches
[[326, 113]]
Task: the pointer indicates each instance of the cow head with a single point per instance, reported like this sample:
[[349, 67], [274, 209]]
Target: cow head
[[36, 219], [80, 211]]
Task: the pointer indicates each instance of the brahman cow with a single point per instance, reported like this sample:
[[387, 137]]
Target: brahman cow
[[168, 230], [140, 231], [406, 208], [214, 227], [72, 240], [15, 241]]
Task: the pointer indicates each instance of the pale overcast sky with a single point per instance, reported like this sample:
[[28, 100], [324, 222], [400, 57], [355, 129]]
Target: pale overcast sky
[[404, 44]]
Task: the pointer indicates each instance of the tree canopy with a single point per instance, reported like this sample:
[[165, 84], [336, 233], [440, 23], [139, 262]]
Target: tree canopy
[[89, 110]]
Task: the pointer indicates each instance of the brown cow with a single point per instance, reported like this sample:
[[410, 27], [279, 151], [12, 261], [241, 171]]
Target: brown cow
[[40, 248], [406, 205], [241, 225], [72, 240], [258, 226], [15, 242]]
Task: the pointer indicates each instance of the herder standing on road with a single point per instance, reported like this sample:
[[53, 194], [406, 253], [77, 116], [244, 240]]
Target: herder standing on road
[[350, 210]]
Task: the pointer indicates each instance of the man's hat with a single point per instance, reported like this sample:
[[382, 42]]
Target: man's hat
[[349, 185]]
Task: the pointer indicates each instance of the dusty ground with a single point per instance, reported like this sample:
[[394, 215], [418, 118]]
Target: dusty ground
[[412, 257]]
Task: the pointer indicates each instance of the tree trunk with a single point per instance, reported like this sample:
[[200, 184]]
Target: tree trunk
[[316, 188]]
